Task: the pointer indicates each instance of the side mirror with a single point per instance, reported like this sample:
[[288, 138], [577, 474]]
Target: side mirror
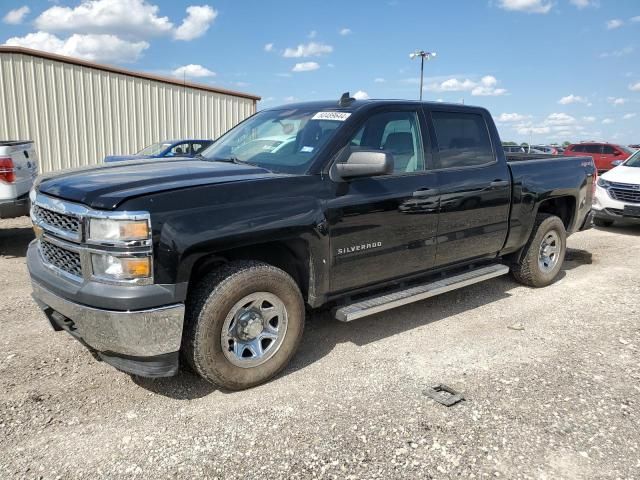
[[617, 163], [365, 163], [617, 153]]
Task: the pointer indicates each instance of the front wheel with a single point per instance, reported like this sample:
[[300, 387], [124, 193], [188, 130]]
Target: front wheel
[[543, 254], [244, 323]]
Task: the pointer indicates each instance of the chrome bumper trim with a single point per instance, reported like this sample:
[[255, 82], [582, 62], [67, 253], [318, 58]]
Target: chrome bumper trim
[[140, 333]]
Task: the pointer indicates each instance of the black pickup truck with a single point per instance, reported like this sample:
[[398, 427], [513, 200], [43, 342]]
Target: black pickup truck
[[360, 206]]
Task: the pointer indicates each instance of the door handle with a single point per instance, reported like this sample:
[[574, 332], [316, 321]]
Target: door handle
[[499, 183], [425, 192]]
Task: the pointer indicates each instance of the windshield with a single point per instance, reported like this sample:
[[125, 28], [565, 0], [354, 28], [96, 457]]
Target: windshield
[[154, 149], [284, 141], [627, 150], [634, 160]]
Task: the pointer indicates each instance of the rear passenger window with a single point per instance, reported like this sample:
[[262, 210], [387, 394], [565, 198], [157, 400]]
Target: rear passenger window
[[593, 148], [463, 139]]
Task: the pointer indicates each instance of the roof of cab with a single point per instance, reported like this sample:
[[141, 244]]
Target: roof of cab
[[359, 104]]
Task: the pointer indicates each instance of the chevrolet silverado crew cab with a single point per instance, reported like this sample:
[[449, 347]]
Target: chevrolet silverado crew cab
[[373, 204]]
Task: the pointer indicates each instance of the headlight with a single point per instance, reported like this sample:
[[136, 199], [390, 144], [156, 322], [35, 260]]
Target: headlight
[[120, 268], [112, 230], [603, 183]]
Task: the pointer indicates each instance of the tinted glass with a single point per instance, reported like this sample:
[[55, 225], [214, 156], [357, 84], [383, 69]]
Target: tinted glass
[[593, 148], [577, 148], [463, 139], [608, 150], [397, 133]]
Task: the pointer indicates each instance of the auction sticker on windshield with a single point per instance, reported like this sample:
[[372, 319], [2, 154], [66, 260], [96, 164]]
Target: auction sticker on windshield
[[337, 116]]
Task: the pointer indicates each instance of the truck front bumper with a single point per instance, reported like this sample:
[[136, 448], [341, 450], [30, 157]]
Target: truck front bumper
[[143, 341]]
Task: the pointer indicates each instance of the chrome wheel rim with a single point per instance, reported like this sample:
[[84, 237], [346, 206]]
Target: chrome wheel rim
[[254, 329], [549, 255]]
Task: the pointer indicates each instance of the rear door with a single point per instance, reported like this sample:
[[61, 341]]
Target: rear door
[[384, 227], [475, 187]]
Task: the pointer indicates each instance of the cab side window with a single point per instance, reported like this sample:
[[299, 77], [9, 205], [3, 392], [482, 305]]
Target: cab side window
[[608, 150], [397, 133], [463, 140], [179, 150]]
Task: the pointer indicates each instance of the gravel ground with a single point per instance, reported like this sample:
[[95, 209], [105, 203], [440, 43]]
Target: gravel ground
[[551, 378]]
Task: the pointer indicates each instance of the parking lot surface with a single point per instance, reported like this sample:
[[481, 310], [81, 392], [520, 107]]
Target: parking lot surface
[[551, 379]]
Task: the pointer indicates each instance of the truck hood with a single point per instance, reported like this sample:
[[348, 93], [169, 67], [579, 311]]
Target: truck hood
[[623, 174], [107, 186]]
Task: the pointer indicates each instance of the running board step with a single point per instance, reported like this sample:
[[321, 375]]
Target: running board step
[[395, 299]]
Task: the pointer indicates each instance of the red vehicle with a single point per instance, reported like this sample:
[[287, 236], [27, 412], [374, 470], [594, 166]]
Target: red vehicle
[[604, 154]]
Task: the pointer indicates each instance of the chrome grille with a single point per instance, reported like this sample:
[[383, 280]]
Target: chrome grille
[[56, 221], [61, 258], [624, 192]]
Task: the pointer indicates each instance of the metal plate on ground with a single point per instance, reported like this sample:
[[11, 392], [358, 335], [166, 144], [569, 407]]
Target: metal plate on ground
[[443, 394]]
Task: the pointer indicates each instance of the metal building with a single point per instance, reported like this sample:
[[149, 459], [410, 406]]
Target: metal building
[[77, 111]]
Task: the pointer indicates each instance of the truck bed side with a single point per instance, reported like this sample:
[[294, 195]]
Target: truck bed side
[[548, 182]]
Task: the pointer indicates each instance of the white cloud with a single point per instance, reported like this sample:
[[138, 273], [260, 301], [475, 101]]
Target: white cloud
[[589, 119], [617, 53], [528, 6], [584, 3], [511, 117], [617, 101], [95, 48], [361, 95], [311, 49], [569, 99], [528, 130], [345, 31], [136, 18], [196, 23], [560, 119], [312, 34], [485, 87], [268, 47], [635, 19], [379, 80], [290, 99], [635, 87], [131, 19], [16, 16], [305, 67], [614, 23], [629, 116], [193, 71], [607, 121]]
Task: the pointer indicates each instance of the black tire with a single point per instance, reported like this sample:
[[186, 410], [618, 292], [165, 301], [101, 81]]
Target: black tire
[[209, 304], [528, 270], [602, 222]]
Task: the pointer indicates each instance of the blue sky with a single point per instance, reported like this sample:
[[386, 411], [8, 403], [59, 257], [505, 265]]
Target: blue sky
[[549, 70]]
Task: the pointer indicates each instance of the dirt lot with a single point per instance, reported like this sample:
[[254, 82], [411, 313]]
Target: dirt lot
[[551, 376]]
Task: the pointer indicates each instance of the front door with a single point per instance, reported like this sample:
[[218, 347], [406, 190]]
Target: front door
[[475, 188], [384, 227]]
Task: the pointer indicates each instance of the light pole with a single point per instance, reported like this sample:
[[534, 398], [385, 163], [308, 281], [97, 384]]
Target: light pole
[[423, 55]]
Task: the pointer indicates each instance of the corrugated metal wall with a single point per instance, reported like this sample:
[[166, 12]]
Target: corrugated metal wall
[[78, 114]]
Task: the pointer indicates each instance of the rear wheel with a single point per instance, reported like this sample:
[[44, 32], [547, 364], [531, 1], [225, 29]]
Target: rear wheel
[[543, 254], [244, 323], [602, 222]]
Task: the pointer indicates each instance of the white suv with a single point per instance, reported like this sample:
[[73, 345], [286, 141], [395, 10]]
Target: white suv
[[618, 193]]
